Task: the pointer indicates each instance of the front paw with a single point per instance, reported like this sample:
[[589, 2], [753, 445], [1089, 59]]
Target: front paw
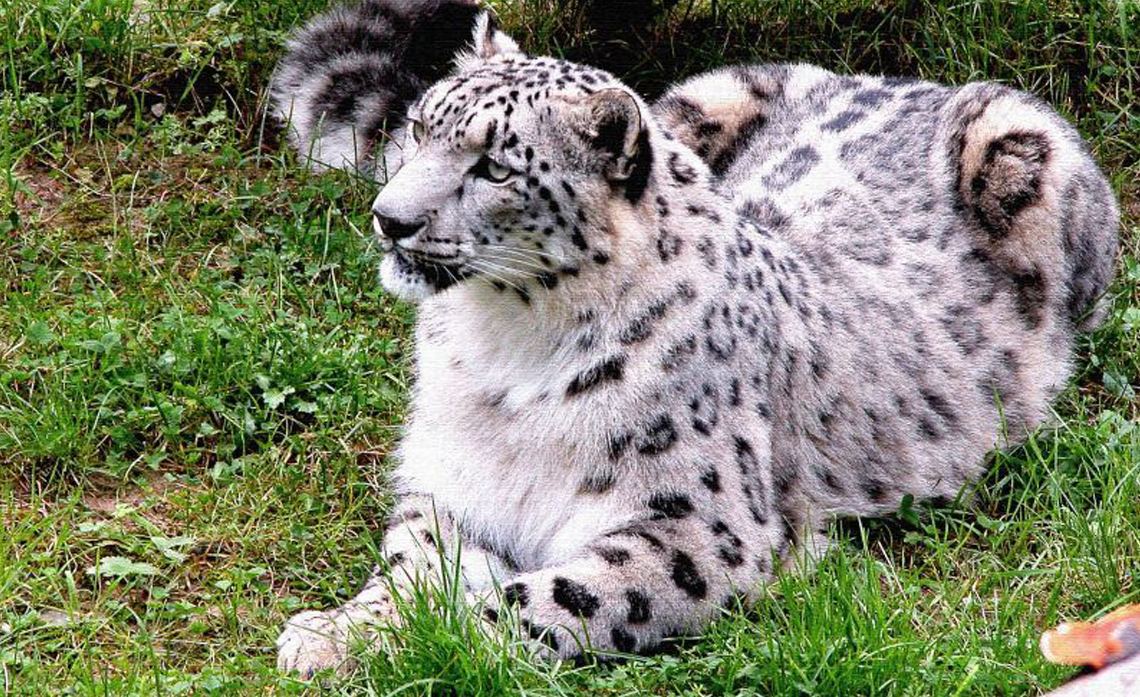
[[312, 641]]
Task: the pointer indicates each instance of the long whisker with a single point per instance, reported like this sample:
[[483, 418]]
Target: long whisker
[[505, 270], [489, 271], [514, 254], [511, 262], [544, 261], [518, 250], [511, 266]]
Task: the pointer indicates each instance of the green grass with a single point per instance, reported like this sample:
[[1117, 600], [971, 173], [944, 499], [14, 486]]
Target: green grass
[[200, 378]]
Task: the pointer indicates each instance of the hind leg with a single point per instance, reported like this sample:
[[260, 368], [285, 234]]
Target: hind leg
[[1041, 209]]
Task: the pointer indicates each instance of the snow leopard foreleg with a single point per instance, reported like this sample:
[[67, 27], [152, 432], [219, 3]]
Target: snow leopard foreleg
[[637, 585], [422, 547]]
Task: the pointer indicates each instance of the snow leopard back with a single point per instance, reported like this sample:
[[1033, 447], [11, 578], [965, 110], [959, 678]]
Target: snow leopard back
[[956, 239], [920, 154], [349, 74]]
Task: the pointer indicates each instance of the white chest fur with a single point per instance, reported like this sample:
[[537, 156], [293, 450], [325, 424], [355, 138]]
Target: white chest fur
[[493, 440]]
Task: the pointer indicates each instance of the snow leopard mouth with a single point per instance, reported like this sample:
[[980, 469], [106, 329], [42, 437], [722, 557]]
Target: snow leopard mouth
[[438, 276]]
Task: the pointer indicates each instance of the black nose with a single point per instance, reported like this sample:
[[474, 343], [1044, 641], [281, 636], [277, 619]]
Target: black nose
[[397, 229]]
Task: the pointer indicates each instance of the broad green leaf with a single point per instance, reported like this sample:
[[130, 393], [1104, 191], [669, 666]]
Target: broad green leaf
[[121, 567]]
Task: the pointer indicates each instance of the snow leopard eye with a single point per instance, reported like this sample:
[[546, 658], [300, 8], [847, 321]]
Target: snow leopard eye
[[488, 169], [419, 132]]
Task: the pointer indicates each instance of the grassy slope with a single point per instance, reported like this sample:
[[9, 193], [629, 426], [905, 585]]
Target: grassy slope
[[199, 376]]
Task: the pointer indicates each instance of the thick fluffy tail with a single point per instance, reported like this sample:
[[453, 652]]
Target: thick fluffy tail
[[349, 74]]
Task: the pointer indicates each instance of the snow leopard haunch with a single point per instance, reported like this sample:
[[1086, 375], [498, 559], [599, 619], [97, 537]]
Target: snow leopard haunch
[[650, 372]]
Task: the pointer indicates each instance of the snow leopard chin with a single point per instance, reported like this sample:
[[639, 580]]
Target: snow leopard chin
[[413, 280]]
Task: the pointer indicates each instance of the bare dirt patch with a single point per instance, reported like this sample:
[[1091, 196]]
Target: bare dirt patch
[[150, 500], [107, 501], [39, 194]]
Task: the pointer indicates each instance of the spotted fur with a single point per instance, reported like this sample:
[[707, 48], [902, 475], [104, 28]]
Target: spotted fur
[[659, 349]]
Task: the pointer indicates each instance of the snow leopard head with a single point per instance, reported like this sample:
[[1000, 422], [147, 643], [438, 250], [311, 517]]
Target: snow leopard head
[[510, 169]]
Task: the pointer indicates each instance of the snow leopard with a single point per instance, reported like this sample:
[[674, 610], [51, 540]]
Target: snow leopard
[[659, 349]]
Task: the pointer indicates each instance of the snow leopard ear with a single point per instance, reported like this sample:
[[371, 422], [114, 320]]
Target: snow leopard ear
[[612, 126], [488, 41]]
